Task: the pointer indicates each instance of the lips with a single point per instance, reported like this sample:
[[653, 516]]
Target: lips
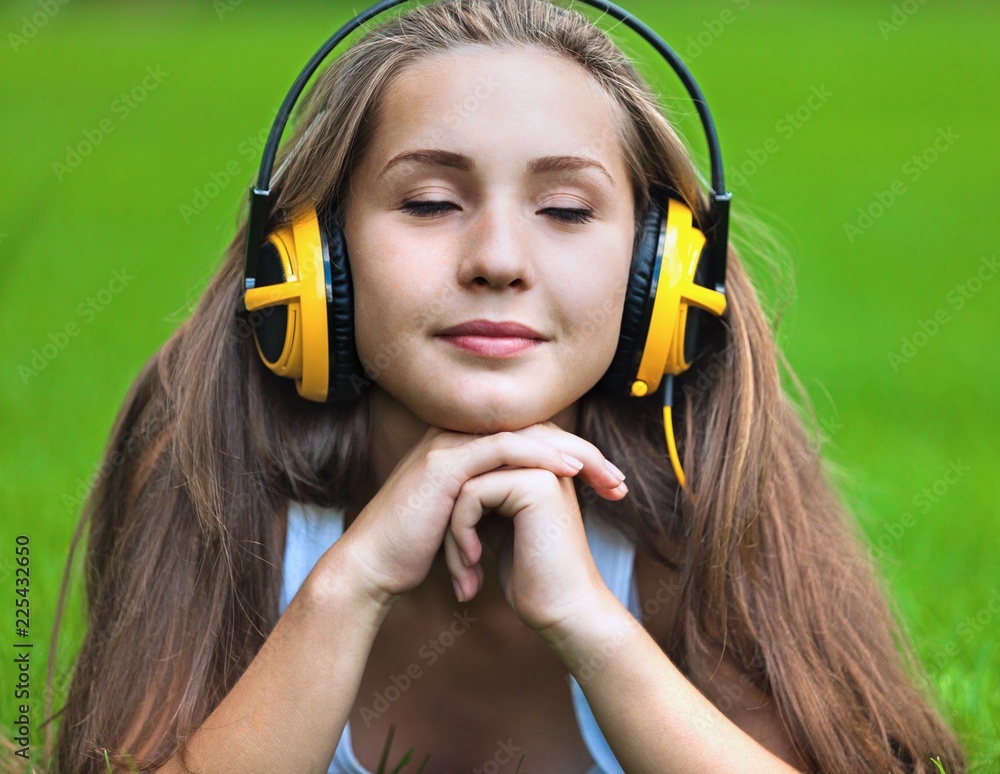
[[495, 339], [499, 329]]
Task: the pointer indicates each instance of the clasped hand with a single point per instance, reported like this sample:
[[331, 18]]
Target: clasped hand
[[444, 486]]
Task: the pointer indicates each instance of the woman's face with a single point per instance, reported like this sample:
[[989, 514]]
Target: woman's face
[[531, 222]]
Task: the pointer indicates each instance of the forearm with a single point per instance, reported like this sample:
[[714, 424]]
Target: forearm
[[288, 710], [653, 718]]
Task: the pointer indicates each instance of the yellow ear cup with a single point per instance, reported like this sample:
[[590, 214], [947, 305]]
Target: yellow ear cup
[[305, 354], [675, 288], [663, 351]]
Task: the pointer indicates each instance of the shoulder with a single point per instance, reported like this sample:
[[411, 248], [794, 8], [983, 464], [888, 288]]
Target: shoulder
[[714, 674]]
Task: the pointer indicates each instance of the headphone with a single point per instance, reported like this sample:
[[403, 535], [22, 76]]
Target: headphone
[[300, 273]]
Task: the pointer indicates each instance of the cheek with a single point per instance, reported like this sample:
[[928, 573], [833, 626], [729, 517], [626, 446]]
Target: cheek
[[396, 305], [376, 292], [383, 310], [603, 322], [600, 298]]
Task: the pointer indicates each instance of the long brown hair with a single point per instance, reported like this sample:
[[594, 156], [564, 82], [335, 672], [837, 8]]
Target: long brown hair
[[184, 551]]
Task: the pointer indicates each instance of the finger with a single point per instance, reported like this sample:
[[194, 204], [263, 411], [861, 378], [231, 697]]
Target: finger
[[479, 496], [613, 493], [468, 577], [454, 466], [608, 492], [457, 568], [597, 470], [497, 496]]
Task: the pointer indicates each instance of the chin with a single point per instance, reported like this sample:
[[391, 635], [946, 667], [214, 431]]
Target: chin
[[483, 422], [488, 417]]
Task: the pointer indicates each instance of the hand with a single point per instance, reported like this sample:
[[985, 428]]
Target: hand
[[544, 563], [394, 539]]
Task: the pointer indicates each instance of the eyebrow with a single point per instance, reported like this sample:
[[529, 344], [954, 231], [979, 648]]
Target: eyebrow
[[541, 165]]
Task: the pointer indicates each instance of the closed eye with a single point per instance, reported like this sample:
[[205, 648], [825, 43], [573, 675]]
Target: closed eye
[[431, 208], [571, 214], [423, 209]]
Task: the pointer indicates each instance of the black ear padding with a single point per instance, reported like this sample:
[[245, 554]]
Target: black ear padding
[[271, 323], [348, 379], [696, 317], [638, 310]]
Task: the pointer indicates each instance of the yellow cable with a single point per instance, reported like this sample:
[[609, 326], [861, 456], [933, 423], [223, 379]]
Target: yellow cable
[[668, 425]]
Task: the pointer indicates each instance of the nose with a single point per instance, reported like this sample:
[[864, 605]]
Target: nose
[[495, 250]]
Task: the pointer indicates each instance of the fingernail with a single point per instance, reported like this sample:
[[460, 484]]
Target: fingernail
[[458, 589], [573, 462], [614, 471]]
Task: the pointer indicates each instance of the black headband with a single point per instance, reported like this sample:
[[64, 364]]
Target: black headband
[[717, 232]]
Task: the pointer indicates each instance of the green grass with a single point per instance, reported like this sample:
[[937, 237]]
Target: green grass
[[892, 431]]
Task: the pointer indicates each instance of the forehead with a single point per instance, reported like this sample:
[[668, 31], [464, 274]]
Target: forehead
[[508, 100]]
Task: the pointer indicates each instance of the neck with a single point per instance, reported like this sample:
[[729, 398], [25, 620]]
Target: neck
[[394, 431]]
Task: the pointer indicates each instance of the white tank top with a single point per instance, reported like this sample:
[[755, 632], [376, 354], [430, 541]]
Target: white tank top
[[312, 530]]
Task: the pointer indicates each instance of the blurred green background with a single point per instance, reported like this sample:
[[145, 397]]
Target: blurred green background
[[860, 134]]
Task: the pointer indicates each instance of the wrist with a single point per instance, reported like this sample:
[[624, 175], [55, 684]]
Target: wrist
[[592, 635], [338, 583]]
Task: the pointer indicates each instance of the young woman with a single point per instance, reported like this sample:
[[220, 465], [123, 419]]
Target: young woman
[[275, 582]]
